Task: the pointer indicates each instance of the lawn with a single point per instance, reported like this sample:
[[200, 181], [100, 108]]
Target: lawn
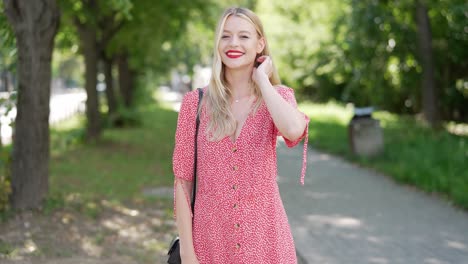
[[123, 163], [97, 210]]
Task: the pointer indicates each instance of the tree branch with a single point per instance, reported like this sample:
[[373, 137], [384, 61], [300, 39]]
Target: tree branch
[[13, 11], [109, 34], [48, 20], [79, 25]]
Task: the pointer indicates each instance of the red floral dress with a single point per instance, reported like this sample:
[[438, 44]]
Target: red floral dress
[[239, 216]]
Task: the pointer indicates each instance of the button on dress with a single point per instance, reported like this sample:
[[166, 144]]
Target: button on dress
[[239, 216]]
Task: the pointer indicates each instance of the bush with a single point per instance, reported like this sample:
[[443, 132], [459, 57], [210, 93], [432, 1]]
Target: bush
[[5, 178], [5, 191], [5, 182]]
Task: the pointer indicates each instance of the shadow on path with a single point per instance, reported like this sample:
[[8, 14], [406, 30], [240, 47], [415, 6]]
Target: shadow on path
[[347, 214]]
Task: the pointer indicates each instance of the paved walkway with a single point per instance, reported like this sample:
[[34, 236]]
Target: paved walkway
[[346, 214]]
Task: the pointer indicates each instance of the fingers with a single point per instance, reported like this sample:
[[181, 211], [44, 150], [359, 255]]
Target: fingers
[[262, 58], [265, 64]]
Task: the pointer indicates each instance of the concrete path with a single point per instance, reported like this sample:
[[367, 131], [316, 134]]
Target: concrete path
[[346, 214]]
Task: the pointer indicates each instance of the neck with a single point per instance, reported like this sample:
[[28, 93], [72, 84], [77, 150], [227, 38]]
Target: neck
[[240, 82]]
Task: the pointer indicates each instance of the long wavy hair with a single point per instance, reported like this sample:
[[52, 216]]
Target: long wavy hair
[[221, 120]]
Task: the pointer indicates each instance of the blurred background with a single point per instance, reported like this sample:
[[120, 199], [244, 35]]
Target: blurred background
[[120, 67]]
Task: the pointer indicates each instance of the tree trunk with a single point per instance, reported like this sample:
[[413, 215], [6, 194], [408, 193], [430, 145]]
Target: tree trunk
[[429, 102], [126, 77], [35, 24], [110, 94], [90, 53], [4, 81], [9, 84], [108, 27]]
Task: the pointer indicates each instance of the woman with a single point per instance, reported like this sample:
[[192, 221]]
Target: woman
[[239, 216]]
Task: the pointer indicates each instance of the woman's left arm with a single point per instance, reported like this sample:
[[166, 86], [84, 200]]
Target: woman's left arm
[[289, 121]]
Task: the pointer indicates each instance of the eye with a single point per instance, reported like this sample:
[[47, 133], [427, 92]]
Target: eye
[[224, 36], [244, 37]]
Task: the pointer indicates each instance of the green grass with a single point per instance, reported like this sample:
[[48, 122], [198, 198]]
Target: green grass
[[435, 161], [117, 167], [5, 248]]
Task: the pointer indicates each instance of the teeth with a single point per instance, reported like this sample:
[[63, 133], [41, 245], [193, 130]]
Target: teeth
[[234, 53]]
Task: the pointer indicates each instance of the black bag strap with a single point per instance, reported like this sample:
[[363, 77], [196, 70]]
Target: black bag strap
[[194, 188]]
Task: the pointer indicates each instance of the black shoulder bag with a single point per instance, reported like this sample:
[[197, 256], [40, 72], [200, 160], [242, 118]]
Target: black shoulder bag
[[174, 248]]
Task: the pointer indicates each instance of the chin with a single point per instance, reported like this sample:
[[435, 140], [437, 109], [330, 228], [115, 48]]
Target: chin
[[236, 66]]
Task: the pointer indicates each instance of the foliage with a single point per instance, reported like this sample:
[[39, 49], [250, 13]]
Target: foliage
[[6, 106], [366, 52], [5, 191], [158, 27], [296, 31], [67, 134], [7, 43], [68, 66], [194, 45], [151, 23], [91, 12], [5, 179]]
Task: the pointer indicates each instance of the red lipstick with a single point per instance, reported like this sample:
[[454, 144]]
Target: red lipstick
[[234, 54]]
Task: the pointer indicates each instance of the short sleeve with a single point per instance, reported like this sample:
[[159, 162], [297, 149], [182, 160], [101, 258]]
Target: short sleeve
[[288, 94], [183, 156]]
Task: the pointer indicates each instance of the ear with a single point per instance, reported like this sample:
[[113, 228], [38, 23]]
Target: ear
[[260, 45]]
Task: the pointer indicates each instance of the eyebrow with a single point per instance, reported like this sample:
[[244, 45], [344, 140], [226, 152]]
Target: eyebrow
[[242, 31]]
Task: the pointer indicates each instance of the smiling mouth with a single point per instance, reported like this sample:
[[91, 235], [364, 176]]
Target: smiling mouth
[[233, 54]]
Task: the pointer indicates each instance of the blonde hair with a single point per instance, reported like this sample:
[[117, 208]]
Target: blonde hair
[[221, 121]]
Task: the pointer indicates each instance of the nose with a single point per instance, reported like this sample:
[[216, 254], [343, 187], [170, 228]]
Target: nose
[[234, 41]]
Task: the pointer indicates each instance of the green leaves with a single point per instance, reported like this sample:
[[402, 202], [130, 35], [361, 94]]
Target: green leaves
[[366, 52], [7, 43]]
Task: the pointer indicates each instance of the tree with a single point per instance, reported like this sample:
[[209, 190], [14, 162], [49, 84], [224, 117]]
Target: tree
[[159, 28], [108, 30], [367, 53], [110, 24], [429, 102], [95, 25], [30, 160], [88, 44]]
